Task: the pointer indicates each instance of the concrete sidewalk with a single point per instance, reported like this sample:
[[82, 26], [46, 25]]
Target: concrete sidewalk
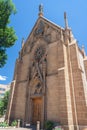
[[15, 129]]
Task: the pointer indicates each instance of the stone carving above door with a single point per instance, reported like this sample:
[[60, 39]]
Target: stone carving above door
[[36, 84], [38, 69]]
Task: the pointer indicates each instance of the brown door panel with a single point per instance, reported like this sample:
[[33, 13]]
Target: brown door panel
[[36, 110]]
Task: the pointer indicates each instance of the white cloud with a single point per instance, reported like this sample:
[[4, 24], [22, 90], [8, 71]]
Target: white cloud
[[3, 77]]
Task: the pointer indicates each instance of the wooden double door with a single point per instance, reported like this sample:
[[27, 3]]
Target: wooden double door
[[36, 110]]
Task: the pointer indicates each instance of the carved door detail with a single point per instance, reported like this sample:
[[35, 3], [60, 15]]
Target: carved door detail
[[36, 110]]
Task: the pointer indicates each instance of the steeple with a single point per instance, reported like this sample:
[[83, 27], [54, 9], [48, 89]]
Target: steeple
[[66, 21], [40, 10]]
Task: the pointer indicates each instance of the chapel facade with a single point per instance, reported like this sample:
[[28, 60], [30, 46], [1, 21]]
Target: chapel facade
[[50, 78]]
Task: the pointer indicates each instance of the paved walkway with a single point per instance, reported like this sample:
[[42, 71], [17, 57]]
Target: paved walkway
[[15, 129]]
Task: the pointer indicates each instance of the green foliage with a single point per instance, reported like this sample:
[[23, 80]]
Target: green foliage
[[58, 129], [1, 108], [3, 57], [6, 9], [4, 124], [49, 125], [4, 103], [7, 34], [14, 123]]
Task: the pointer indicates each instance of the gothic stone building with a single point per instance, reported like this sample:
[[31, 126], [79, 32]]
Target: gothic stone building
[[50, 78]]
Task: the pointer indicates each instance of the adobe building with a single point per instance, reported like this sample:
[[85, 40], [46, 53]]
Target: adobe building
[[50, 78]]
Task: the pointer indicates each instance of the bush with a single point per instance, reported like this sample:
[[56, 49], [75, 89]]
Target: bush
[[14, 123], [4, 124], [49, 125], [4, 103]]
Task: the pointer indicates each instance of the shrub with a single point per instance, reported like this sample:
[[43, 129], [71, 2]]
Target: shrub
[[49, 125], [4, 124], [14, 123]]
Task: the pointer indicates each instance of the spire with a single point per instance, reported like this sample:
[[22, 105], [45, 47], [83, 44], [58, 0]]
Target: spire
[[40, 10], [83, 50], [66, 21], [22, 43]]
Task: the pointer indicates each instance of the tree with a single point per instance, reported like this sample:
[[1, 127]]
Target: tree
[[7, 34], [4, 103]]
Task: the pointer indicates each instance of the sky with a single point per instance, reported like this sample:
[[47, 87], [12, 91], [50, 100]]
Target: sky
[[26, 16]]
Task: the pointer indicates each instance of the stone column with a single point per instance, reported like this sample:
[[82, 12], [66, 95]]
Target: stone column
[[38, 125]]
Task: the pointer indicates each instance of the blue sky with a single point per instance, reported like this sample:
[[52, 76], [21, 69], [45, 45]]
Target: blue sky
[[27, 14]]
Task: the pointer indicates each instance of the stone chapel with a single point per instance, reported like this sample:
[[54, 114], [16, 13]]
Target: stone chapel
[[50, 78]]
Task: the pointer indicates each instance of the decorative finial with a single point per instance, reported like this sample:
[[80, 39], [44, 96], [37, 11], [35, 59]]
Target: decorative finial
[[66, 21], [22, 42], [41, 10], [83, 50]]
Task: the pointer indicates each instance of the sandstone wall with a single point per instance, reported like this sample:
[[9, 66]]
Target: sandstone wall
[[78, 86]]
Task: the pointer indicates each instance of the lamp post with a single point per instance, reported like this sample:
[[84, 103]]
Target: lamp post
[[11, 99]]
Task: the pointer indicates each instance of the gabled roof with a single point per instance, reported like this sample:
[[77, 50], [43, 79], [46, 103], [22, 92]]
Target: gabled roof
[[55, 26]]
